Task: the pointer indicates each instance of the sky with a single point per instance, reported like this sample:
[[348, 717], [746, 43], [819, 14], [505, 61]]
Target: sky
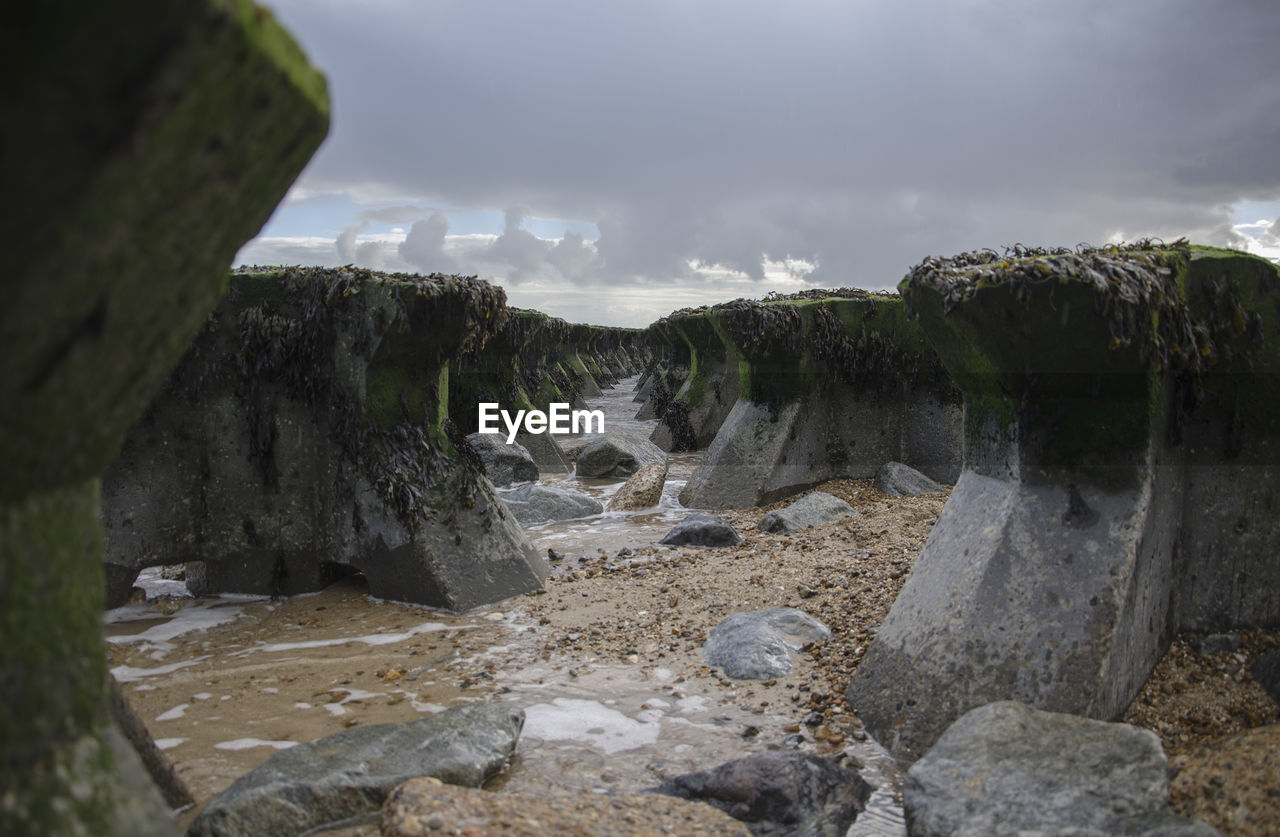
[[609, 162]]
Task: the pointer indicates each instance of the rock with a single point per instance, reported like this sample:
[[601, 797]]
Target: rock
[[503, 463], [351, 773], [904, 481], [425, 807], [1217, 643], [1008, 769], [757, 645], [779, 793], [810, 510], [701, 530], [617, 455], [1232, 784], [541, 503], [1266, 671], [642, 490], [546, 452]]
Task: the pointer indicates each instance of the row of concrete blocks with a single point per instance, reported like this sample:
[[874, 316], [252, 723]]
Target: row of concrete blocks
[[1118, 443], [299, 441]]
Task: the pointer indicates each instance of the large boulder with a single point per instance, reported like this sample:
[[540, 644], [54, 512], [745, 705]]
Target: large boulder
[[779, 794], [350, 773], [810, 510], [758, 645], [642, 490], [423, 807], [532, 504], [1008, 769], [617, 455], [701, 529], [900, 480], [503, 463]]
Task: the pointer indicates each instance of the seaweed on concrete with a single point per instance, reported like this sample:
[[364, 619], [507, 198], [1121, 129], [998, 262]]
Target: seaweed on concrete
[[299, 330]]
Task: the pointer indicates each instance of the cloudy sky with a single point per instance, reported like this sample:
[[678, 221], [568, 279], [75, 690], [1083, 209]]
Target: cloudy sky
[[608, 161]]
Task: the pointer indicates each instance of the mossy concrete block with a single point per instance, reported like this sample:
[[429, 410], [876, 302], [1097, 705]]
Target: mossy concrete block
[[159, 141], [1229, 573], [305, 436], [160, 144], [1048, 578], [828, 388], [704, 400]]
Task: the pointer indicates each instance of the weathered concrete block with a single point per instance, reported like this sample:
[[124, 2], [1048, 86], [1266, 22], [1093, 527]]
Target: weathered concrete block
[[306, 436], [1051, 575], [1228, 564], [697, 410], [160, 140], [828, 388]]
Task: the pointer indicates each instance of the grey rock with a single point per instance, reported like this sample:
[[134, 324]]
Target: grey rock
[[617, 455], [504, 464], [1008, 769], [546, 452], [1266, 671], [701, 530], [779, 794], [810, 510], [758, 645], [642, 490], [532, 504], [1217, 643], [350, 773], [904, 481]]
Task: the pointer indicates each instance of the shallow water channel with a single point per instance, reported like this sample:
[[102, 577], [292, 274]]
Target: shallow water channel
[[224, 681]]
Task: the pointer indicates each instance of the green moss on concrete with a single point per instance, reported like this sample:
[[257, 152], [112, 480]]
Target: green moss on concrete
[[217, 128], [51, 595]]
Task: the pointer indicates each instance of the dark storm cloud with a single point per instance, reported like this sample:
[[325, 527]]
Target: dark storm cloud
[[858, 136]]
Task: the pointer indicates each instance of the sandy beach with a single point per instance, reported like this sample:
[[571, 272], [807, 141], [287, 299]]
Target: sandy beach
[[615, 642]]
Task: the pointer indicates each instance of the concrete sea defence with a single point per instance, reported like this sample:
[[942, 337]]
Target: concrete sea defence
[[161, 140], [306, 434], [826, 387], [534, 360], [1119, 447]]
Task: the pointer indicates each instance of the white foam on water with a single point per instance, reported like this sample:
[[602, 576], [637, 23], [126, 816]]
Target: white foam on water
[[169, 743], [154, 584], [196, 617], [128, 674], [335, 708], [590, 722], [692, 703], [201, 696], [249, 743], [368, 639], [173, 714]]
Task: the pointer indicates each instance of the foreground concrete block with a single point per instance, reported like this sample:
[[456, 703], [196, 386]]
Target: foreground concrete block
[[1052, 575], [151, 145]]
